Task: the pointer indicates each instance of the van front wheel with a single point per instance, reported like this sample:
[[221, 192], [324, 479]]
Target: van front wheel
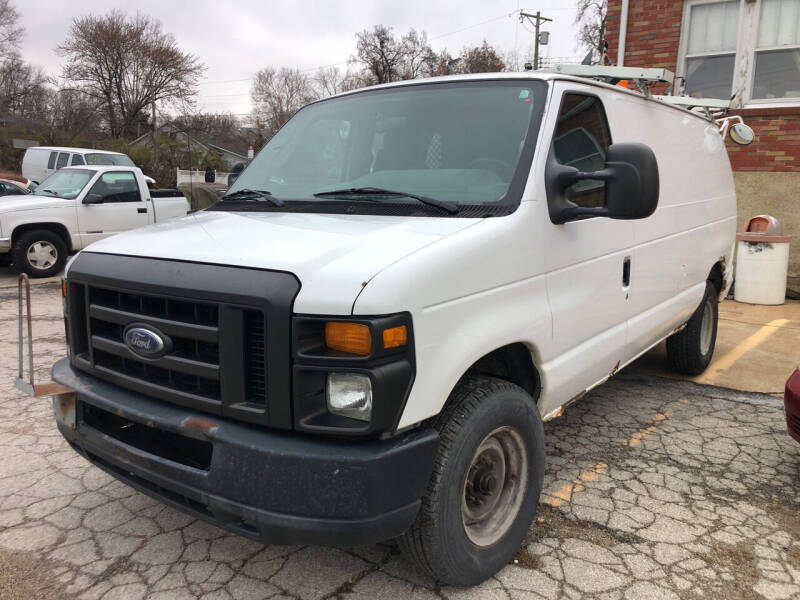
[[485, 485], [690, 350]]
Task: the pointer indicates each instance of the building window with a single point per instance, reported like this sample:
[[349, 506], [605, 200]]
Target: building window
[[749, 49], [777, 56], [711, 49]]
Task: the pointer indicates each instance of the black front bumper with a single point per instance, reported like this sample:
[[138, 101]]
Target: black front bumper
[[276, 487]]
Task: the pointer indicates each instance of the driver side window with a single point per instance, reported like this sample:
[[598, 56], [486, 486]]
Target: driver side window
[[581, 141], [117, 187]]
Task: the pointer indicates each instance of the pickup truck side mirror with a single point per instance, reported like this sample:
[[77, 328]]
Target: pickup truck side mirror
[[631, 185], [93, 199]]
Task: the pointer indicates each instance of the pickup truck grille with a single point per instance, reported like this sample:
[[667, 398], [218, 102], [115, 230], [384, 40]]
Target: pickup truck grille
[[217, 358]]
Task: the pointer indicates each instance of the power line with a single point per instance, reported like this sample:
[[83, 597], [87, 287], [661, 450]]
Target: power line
[[503, 16], [339, 64]]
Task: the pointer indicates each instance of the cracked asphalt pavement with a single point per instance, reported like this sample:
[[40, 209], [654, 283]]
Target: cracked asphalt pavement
[[654, 489]]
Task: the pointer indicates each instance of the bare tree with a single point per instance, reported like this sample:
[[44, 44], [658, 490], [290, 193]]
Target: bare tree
[[23, 88], [591, 22], [71, 115], [381, 54], [329, 81], [419, 58], [128, 63], [279, 93], [10, 31], [482, 59], [447, 64]]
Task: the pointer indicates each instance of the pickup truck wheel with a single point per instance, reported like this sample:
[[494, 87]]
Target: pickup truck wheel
[[485, 485], [690, 350], [39, 253]]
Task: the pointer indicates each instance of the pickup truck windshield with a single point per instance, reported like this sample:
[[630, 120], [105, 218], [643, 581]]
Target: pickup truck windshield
[[66, 183], [101, 158], [464, 144]]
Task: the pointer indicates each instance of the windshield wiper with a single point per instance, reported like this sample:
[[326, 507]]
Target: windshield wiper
[[48, 191], [253, 195], [449, 207]]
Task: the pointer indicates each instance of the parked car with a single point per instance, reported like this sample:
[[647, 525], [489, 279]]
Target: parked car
[[39, 162], [791, 401], [362, 339], [14, 187], [74, 207]]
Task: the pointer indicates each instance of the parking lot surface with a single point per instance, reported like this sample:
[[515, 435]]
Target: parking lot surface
[[655, 488]]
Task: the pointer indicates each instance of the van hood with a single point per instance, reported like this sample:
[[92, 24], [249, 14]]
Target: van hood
[[333, 256]]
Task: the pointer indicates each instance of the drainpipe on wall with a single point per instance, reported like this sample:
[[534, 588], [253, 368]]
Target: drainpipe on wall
[[623, 30]]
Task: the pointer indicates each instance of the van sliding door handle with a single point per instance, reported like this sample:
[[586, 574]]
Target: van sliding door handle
[[626, 272], [141, 210]]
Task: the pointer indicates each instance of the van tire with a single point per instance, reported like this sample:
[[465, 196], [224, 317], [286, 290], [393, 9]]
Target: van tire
[[690, 350], [501, 420], [25, 259]]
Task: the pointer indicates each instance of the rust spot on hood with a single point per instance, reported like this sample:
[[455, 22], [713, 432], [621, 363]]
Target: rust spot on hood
[[200, 424]]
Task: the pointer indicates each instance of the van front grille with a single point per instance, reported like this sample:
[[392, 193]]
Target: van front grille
[[226, 333], [189, 372]]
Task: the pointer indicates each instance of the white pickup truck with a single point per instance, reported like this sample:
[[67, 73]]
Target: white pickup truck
[[74, 207]]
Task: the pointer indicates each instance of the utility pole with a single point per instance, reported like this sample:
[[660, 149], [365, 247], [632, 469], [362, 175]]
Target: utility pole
[[155, 139], [537, 20]]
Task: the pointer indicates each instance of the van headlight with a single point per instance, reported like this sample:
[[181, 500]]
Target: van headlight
[[351, 375], [350, 395]]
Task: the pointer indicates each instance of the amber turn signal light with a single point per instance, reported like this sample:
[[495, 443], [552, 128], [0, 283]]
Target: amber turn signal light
[[394, 337], [63, 288], [348, 337]]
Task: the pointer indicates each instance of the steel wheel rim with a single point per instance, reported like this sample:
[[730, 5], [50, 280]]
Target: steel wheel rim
[[494, 486], [42, 255], [707, 326]]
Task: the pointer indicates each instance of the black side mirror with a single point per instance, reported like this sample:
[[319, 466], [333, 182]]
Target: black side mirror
[[93, 199], [631, 181]]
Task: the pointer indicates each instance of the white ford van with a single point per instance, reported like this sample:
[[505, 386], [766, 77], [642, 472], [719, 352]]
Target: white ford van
[[362, 339], [39, 162]]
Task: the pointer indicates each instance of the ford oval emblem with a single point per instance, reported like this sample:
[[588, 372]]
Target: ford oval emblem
[[145, 341]]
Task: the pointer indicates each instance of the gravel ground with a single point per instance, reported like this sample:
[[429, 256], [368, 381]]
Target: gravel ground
[[654, 489]]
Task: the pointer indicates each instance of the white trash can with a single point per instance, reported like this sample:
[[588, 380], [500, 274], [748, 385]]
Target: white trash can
[[762, 262]]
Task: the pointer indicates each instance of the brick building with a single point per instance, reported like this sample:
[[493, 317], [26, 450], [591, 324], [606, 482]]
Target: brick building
[[748, 49]]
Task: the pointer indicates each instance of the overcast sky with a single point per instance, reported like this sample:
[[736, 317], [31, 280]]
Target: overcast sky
[[234, 40]]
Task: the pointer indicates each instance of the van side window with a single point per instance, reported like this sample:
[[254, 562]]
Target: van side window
[[77, 159], [63, 159], [581, 140], [51, 162], [117, 187]]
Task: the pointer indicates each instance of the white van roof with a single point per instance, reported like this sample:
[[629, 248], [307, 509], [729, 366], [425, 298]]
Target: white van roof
[[523, 75], [74, 150]]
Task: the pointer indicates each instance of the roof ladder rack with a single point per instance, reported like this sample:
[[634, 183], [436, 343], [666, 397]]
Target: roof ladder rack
[[643, 78]]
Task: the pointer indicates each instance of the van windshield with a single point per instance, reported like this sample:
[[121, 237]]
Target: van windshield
[[101, 158], [67, 183], [467, 144]]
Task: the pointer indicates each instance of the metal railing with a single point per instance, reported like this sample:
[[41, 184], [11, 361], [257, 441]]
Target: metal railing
[[199, 177]]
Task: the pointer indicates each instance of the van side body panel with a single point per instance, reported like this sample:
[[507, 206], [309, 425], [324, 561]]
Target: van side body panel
[[694, 225]]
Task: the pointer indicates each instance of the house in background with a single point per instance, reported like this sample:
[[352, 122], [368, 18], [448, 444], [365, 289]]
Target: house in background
[[232, 149], [745, 49]]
